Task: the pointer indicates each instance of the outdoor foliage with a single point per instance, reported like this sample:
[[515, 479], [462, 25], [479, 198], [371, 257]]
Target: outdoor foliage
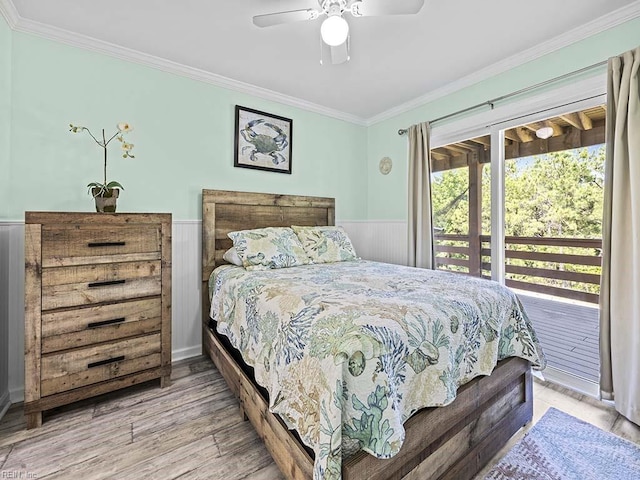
[[552, 195]]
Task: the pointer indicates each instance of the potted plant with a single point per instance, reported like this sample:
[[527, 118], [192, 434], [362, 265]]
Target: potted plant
[[106, 193]]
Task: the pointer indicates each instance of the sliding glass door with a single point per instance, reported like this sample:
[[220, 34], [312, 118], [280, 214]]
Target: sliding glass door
[[522, 204], [553, 193]]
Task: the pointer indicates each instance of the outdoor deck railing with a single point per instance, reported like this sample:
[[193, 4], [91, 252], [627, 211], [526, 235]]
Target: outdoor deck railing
[[562, 267]]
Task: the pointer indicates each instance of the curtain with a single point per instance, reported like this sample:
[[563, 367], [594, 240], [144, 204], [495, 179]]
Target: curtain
[[620, 283], [421, 249]]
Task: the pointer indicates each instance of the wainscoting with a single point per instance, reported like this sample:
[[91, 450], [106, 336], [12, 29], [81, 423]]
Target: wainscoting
[[383, 241], [12, 310]]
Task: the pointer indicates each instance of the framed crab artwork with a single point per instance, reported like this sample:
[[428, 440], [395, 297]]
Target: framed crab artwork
[[262, 141]]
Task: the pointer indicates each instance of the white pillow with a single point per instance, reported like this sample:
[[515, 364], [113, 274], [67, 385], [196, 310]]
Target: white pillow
[[232, 257]]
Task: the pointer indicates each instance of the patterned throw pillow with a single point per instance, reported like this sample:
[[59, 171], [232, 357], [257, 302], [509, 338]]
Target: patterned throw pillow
[[271, 247], [326, 244]]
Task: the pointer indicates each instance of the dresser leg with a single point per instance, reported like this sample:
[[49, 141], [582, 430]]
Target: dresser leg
[[34, 420], [165, 381]]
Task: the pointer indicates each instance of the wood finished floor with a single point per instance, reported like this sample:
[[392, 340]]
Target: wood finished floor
[[568, 333], [190, 430]]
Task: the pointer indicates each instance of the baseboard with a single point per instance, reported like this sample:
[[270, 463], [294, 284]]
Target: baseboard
[[185, 353], [5, 403], [16, 395]]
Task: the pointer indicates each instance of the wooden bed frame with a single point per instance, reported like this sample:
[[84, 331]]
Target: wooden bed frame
[[452, 442]]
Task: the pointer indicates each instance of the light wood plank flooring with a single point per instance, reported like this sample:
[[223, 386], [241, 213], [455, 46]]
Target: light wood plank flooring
[[190, 430]]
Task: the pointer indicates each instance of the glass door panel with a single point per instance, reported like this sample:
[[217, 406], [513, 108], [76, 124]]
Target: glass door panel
[[461, 204], [553, 179]]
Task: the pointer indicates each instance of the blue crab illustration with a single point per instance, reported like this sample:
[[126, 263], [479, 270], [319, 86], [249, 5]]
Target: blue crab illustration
[[263, 143]]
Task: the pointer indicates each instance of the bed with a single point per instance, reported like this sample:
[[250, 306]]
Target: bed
[[452, 441]]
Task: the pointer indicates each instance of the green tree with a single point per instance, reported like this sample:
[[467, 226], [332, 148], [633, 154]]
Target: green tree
[[450, 201], [555, 195], [552, 195]]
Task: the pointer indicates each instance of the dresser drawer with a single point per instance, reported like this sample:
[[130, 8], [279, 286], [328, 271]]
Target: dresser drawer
[[85, 366], [88, 284], [62, 330], [80, 244]]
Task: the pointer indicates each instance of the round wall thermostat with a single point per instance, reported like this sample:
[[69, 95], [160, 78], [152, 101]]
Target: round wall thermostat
[[385, 165]]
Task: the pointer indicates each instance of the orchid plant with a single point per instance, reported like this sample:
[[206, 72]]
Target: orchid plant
[[104, 189]]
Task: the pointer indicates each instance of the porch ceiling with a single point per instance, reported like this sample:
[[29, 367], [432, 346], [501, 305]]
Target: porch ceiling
[[574, 130]]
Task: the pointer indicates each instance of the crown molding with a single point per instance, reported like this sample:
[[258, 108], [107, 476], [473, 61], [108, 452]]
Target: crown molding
[[582, 32], [9, 12], [21, 24]]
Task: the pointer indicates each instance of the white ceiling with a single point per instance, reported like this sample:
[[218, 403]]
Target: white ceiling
[[394, 59]]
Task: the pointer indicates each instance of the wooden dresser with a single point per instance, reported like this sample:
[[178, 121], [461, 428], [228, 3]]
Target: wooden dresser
[[97, 305]]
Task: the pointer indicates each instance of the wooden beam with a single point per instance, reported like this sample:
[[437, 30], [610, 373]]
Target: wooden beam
[[586, 120], [573, 120], [485, 140], [485, 156], [471, 145], [576, 120], [457, 148], [524, 135], [438, 156], [557, 129], [512, 135], [574, 138], [455, 156], [449, 164], [534, 126]]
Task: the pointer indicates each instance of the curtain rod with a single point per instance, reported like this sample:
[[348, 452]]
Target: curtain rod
[[491, 102]]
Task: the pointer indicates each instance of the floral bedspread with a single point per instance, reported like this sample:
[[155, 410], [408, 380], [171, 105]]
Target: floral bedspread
[[349, 351]]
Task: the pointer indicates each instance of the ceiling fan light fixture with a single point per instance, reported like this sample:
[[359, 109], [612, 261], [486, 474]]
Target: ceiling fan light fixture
[[334, 30], [544, 132]]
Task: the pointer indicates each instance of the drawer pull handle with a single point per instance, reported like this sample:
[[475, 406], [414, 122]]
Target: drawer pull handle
[[106, 244], [108, 282], [105, 322], [106, 362]]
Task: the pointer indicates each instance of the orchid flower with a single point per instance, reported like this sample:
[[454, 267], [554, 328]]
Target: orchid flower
[[100, 189]]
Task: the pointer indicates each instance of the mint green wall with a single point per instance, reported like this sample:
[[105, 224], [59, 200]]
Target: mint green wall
[[387, 195], [5, 108], [184, 132], [183, 138]]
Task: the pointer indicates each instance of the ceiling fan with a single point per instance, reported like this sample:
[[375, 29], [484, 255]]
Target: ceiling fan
[[335, 29]]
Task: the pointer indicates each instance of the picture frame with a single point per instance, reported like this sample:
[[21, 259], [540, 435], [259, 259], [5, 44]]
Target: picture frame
[[263, 141]]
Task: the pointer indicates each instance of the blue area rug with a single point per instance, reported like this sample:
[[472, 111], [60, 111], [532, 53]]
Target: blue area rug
[[561, 447]]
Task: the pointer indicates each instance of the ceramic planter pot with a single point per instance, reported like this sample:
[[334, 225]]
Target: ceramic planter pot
[[105, 201]]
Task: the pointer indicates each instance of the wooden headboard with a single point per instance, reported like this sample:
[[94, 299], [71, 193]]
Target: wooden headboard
[[226, 211]]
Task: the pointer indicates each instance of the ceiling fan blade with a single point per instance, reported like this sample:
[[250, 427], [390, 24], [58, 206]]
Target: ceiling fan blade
[[270, 19], [374, 8], [340, 54]]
